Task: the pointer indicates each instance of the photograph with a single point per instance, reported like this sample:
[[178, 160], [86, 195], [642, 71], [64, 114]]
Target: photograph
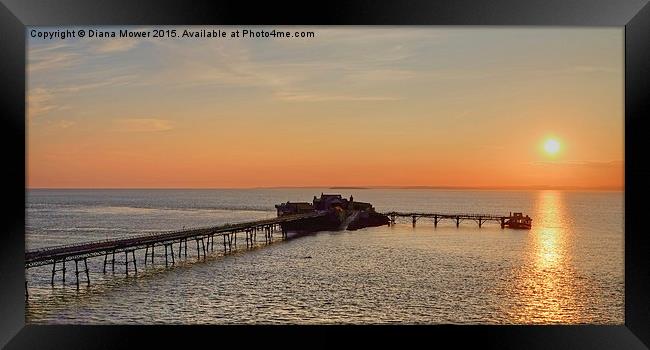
[[319, 175]]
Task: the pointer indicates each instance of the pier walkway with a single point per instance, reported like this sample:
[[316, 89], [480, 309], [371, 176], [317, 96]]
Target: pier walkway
[[437, 217], [204, 238]]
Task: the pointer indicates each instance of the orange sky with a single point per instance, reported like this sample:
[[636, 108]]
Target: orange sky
[[399, 106]]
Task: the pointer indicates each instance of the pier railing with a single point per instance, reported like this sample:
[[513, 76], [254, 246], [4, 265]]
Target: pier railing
[[49, 255], [458, 217]]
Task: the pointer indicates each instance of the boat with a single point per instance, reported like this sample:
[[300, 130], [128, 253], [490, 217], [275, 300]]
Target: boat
[[519, 221]]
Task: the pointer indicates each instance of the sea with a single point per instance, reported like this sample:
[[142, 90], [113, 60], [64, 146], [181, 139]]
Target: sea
[[567, 269]]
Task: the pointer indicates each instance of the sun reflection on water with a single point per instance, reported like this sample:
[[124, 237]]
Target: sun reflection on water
[[549, 231], [546, 283]]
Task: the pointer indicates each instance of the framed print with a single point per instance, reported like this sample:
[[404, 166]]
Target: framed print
[[463, 170]]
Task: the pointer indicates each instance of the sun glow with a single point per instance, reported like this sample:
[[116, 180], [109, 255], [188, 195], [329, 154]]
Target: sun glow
[[551, 146]]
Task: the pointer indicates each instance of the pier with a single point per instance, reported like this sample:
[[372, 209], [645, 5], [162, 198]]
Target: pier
[[480, 219], [203, 238], [314, 218]]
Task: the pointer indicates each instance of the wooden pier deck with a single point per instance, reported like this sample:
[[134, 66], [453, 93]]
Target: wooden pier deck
[[204, 238]]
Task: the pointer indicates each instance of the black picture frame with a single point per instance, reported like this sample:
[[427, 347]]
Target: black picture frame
[[634, 15]]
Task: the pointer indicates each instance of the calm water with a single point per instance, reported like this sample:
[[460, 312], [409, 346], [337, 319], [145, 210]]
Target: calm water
[[568, 269]]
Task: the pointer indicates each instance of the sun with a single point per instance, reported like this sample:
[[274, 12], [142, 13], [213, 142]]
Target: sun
[[552, 146]]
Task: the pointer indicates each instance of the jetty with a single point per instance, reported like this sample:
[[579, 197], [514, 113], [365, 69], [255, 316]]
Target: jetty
[[516, 220]]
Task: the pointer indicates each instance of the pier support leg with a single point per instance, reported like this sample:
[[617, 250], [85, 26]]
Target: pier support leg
[[171, 248], [105, 261], [457, 222], [63, 262], [414, 219], [126, 263], [87, 274], [135, 265], [198, 252], [480, 223], [166, 261], [185, 248], [224, 243], [435, 221], [113, 263], [53, 271], [76, 271], [503, 223], [146, 255], [203, 245]]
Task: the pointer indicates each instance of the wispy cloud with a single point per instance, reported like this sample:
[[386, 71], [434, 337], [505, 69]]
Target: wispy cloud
[[40, 101], [377, 75], [64, 124], [44, 48], [143, 125], [55, 56], [596, 69], [581, 163], [302, 76], [116, 45], [112, 81], [306, 97], [51, 60]]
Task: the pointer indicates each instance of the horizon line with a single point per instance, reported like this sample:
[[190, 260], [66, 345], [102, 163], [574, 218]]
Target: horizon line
[[522, 187]]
